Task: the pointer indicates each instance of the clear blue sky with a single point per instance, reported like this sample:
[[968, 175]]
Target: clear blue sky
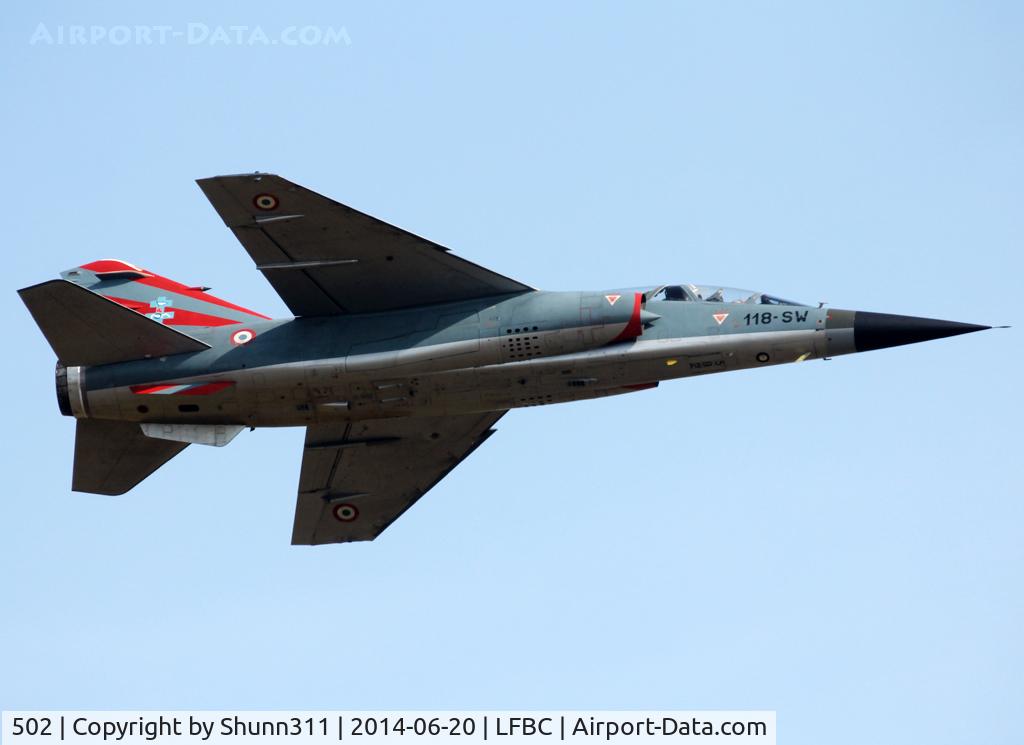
[[840, 541]]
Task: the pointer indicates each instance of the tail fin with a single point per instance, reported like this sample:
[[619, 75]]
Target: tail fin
[[113, 457], [164, 300], [86, 329]]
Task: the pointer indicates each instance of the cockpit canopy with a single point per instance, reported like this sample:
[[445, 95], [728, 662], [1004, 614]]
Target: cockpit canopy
[[713, 294]]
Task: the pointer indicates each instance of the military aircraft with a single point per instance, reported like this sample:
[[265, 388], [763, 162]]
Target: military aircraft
[[399, 361]]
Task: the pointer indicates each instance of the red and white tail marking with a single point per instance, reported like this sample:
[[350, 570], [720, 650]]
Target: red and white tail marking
[[162, 299], [182, 389]]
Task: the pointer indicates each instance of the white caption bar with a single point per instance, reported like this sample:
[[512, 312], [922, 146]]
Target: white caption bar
[[376, 727]]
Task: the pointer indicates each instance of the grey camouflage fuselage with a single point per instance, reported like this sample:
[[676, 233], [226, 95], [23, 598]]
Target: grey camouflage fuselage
[[525, 350], [400, 359]]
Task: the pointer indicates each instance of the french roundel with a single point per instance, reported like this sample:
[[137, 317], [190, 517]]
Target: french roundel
[[346, 513], [265, 201], [242, 336]]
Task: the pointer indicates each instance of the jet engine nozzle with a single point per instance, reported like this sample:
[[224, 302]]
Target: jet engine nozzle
[[63, 399], [70, 390]]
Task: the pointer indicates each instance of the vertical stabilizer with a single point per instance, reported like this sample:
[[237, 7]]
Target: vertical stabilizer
[[188, 308]]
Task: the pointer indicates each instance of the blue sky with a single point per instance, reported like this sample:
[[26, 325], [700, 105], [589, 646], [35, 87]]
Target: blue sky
[[840, 541]]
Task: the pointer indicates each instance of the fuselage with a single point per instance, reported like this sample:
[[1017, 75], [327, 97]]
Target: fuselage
[[399, 361], [499, 353]]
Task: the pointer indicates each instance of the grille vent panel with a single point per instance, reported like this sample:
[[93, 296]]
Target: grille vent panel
[[521, 343], [538, 400]]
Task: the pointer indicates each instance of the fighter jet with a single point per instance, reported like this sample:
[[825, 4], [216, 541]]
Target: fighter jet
[[399, 361]]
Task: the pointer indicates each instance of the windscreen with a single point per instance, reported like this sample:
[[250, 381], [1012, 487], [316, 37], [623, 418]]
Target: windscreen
[[714, 294]]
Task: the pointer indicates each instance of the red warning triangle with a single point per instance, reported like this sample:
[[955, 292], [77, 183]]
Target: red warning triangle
[[720, 317], [612, 299]]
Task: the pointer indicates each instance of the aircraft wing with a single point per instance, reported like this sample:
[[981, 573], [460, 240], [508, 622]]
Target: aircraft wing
[[324, 258], [359, 477]]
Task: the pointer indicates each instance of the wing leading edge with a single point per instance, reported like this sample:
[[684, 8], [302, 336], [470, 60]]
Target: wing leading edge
[[357, 478], [324, 258]]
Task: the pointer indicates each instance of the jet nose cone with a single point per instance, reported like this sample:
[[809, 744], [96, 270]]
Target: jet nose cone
[[880, 330]]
